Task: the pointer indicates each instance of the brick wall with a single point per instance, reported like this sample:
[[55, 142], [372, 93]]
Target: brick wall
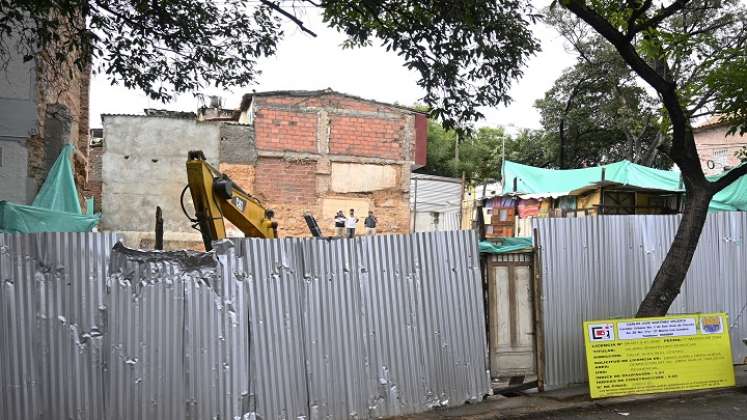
[[289, 189], [285, 130], [94, 180], [295, 182], [324, 128], [366, 136], [242, 174]]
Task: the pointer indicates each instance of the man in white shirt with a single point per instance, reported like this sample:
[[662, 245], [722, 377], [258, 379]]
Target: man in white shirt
[[350, 223]]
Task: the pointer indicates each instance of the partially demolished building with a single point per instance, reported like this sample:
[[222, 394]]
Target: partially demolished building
[[317, 151]]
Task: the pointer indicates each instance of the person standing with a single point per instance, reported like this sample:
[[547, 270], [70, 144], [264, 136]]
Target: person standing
[[370, 224], [340, 224], [350, 223]]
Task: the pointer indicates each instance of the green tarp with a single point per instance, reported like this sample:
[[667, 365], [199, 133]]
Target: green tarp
[[506, 246], [55, 208], [531, 180]]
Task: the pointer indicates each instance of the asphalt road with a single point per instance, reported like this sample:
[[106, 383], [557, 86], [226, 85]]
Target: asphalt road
[[724, 405]]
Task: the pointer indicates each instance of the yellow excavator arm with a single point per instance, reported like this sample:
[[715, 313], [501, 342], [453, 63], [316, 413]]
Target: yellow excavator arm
[[216, 198]]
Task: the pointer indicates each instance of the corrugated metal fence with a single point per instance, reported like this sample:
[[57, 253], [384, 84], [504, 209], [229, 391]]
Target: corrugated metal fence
[[602, 267], [53, 325], [360, 328]]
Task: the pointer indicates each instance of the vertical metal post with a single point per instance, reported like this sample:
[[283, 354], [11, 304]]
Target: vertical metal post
[[461, 205], [159, 229], [539, 326], [415, 207], [601, 195]]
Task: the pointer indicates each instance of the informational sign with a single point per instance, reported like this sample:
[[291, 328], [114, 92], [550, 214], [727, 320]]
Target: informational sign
[[648, 355]]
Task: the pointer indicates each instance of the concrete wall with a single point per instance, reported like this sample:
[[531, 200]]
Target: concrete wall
[[17, 123], [143, 166], [356, 177], [714, 145], [14, 185]]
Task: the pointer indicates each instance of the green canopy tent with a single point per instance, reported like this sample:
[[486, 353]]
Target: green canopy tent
[[55, 208], [523, 179]]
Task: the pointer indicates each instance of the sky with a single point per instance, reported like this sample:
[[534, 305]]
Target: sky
[[306, 63]]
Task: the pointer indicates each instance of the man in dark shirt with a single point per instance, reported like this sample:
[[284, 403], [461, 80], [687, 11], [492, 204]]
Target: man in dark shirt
[[340, 224], [370, 224]]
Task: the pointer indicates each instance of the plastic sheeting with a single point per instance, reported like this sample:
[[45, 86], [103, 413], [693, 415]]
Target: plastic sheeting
[[58, 191], [602, 267], [506, 246], [277, 329], [531, 180], [56, 207]]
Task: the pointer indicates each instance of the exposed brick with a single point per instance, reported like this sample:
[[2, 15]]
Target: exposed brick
[[93, 185], [278, 180], [366, 136], [274, 131], [242, 175]]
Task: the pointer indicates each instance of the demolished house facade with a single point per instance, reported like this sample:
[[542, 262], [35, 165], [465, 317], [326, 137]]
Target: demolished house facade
[[296, 151]]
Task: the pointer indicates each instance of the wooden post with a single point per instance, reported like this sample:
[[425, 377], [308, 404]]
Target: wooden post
[[159, 228]]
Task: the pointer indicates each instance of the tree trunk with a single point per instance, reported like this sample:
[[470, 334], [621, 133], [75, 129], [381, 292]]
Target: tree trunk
[[561, 164], [563, 116], [673, 270], [650, 156]]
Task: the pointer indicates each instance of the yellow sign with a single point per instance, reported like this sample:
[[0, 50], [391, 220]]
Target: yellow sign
[[647, 355]]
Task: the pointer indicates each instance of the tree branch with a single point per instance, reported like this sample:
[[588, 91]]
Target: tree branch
[[561, 128], [623, 46], [703, 101], [638, 12], [713, 27], [730, 177], [650, 156], [289, 15], [684, 152], [656, 19], [703, 114]]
